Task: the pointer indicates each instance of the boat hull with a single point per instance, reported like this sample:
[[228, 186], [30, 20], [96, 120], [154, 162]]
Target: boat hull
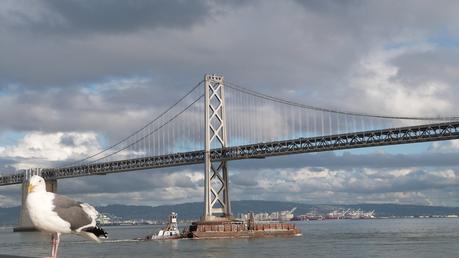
[[229, 229]]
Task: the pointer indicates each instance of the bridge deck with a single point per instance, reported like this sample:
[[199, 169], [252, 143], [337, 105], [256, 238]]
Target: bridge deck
[[391, 136]]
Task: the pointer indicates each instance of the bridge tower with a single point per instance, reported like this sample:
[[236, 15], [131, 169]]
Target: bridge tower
[[25, 224], [216, 195]]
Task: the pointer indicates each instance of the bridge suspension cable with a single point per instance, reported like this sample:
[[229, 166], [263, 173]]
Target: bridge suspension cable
[[150, 133], [255, 117], [295, 104], [125, 144], [257, 125], [252, 117]]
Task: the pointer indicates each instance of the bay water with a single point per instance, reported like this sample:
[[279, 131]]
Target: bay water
[[435, 237]]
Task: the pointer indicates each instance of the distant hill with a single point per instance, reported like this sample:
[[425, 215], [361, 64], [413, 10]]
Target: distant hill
[[9, 216]]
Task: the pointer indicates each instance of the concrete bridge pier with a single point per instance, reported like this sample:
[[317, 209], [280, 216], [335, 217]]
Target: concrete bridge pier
[[24, 220]]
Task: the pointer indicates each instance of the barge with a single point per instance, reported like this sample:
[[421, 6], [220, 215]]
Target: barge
[[223, 228], [239, 229]]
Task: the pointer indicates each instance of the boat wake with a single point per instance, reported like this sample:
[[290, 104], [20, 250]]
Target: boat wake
[[121, 240]]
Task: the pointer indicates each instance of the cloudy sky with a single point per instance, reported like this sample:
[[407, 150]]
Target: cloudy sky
[[90, 72]]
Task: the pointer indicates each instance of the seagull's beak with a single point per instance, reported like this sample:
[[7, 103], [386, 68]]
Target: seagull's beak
[[30, 188]]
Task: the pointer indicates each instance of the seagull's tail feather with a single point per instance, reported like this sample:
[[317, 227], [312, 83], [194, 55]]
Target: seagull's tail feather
[[94, 233]]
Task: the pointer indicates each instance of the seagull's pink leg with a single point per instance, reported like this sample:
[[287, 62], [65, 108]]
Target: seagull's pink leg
[[58, 240], [53, 246], [55, 239]]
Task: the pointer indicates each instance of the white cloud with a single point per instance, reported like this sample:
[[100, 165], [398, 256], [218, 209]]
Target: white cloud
[[135, 189], [445, 146], [116, 84], [153, 197], [383, 93], [312, 185], [39, 149]]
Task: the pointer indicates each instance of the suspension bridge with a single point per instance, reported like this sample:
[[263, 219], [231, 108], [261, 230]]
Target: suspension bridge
[[218, 121]]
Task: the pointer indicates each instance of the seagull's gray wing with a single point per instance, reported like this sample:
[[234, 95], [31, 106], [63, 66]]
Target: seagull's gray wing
[[71, 211]]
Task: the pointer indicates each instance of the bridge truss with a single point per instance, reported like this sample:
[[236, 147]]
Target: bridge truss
[[372, 138]]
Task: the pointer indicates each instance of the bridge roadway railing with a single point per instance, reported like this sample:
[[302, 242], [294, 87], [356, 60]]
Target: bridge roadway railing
[[391, 136]]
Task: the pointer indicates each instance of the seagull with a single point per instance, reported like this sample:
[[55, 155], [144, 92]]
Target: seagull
[[57, 214]]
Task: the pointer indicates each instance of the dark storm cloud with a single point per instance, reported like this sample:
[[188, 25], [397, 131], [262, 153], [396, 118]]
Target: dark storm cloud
[[60, 43], [79, 110], [330, 6], [316, 51], [111, 16], [68, 140], [436, 64], [407, 14]]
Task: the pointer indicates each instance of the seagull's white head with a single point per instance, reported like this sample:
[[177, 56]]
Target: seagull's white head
[[36, 184]]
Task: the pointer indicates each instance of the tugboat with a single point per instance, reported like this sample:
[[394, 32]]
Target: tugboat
[[170, 231]]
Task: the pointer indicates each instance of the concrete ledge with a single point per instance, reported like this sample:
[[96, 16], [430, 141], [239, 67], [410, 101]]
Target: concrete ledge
[[14, 256]]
